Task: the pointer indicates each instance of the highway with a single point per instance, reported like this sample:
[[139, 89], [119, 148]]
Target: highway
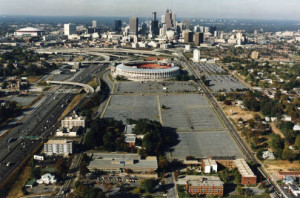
[[229, 125], [39, 124]]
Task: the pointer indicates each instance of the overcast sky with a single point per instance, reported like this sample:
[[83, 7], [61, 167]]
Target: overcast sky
[[252, 9]]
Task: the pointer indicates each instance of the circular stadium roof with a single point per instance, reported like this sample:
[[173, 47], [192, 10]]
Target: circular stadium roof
[[136, 69], [29, 29]]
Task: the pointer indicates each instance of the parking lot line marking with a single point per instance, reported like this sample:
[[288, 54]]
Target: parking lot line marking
[[159, 109], [105, 109]]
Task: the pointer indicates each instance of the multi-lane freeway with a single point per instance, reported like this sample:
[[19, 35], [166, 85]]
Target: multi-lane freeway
[[24, 139], [242, 145]]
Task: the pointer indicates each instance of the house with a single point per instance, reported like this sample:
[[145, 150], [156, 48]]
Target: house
[[268, 155], [296, 127], [47, 179]]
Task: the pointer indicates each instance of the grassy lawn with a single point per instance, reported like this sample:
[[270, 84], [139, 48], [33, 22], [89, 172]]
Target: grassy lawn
[[72, 105], [93, 83], [33, 79], [16, 189]]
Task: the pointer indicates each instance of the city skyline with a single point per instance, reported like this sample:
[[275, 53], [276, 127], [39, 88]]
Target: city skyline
[[247, 9]]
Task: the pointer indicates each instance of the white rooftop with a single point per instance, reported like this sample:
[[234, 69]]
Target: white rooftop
[[243, 168], [29, 29]]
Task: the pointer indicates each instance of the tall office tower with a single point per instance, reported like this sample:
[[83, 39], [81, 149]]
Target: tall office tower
[[198, 38], [133, 25], [118, 26], [255, 32], [94, 24], [186, 24], [201, 29], [163, 19], [216, 33], [69, 29], [212, 29], [163, 30], [174, 19], [188, 36], [169, 21], [207, 29], [154, 16], [154, 25]]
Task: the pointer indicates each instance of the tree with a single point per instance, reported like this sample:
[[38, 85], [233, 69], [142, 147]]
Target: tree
[[239, 190], [225, 175], [148, 185]]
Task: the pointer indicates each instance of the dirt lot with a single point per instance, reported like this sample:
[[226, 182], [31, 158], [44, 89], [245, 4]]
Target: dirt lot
[[237, 113], [281, 165], [276, 130]]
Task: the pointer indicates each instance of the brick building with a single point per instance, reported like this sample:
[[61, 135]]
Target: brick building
[[205, 185]]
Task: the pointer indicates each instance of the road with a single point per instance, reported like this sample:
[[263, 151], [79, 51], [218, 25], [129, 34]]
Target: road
[[242, 145], [39, 124]]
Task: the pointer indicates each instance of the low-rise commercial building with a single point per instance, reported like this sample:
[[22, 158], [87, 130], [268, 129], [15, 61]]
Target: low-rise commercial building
[[58, 147], [124, 163]]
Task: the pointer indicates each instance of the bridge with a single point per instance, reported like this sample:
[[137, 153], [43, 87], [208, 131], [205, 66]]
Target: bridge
[[86, 87]]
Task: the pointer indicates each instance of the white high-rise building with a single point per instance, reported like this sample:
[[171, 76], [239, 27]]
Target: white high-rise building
[[196, 56], [69, 29], [206, 29], [174, 18], [163, 30], [163, 19], [94, 24], [201, 29]]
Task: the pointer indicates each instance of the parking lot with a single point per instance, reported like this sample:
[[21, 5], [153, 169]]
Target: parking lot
[[224, 83], [155, 87], [133, 107], [22, 100], [190, 112], [42, 189], [200, 132], [208, 68], [205, 144]]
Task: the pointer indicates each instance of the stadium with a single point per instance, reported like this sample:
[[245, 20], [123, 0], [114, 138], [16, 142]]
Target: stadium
[[29, 31], [146, 71]]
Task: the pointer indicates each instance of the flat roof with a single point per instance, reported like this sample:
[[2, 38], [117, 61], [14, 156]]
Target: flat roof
[[118, 160], [64, 141], [244, 168], [196, 180]]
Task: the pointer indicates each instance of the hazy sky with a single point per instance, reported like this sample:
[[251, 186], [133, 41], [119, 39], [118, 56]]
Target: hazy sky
[[253, 9]]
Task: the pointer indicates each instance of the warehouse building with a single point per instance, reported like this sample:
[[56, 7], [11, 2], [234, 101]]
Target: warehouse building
[[124, 163]]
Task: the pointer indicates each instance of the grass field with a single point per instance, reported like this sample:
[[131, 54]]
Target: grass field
[[33, 79], [16, 189], [72, 105], [93, 83]]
